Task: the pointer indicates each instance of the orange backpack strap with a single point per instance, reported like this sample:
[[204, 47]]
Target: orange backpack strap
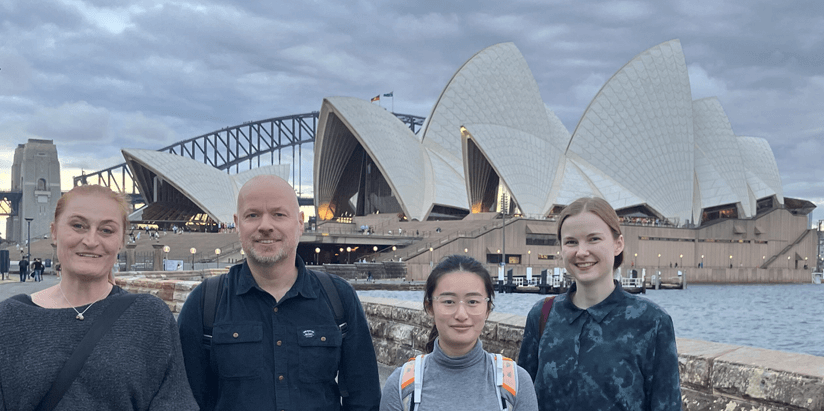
[[506, 380], [510, 376], [410, 382], [408, 373]]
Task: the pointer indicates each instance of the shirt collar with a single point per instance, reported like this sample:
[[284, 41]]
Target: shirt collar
[[246, 282], [598, 312]]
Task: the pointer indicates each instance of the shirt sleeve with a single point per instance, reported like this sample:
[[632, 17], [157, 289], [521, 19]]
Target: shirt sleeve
[[528, 355], [174, 392], [195, 357], [391, 397], [526, 400], [358, 373], [662, 384]]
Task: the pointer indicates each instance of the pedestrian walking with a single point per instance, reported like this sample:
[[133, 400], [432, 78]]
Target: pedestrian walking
[[24, 269]]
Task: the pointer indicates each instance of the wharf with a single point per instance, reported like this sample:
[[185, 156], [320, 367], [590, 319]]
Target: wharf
[[388, 285]]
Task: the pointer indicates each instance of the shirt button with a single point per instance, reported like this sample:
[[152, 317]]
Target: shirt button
[[235, 335], [279, 343], [276, 309], [323, 338], [280, 378]]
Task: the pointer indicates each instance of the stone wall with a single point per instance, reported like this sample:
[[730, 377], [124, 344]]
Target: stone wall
[[713, 376]]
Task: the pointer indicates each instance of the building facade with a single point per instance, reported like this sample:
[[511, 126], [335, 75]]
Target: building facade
[[35, 172]]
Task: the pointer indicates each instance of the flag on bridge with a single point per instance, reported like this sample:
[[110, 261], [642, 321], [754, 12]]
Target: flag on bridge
[[389, 94], [376, 98]]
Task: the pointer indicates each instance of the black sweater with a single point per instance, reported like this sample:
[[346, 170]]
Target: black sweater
[[137, 365]]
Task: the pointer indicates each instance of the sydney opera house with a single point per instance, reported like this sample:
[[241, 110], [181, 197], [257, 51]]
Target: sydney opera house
[[490, 144], [642, 144], [687, 187]]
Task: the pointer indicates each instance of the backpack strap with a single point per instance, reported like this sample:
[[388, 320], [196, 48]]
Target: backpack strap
[[334, 300], [212, 292], [411, 382], [506, 380], [545, 309]]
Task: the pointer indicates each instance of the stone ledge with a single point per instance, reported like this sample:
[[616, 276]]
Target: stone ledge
[[714, 376]]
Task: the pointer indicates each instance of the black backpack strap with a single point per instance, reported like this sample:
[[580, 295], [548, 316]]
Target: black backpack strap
[[334, 300], [209, 300], [72, 367]]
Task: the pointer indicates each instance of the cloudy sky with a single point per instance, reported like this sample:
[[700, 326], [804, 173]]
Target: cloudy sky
[[97, 76]]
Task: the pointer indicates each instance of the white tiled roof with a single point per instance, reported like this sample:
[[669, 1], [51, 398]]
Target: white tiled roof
[[214, 191], [641, 141], [638, 130], [718, 164]]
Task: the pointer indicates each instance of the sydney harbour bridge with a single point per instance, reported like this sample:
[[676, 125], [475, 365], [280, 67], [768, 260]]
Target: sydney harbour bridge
[[237, 148]]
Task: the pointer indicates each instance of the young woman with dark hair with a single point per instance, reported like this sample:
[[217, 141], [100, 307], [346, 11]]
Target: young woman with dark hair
[[602, 348], [456, 373]]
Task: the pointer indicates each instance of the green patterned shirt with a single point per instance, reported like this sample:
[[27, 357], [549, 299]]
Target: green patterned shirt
[[619, 354]]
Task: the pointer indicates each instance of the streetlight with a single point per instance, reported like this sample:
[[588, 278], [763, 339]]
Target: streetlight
[[374, 250], [682, 260], [166, 250], [730, 261], [217, 257], [393, 252], [529, 257], [348, 252], [659, 260], [317, 251], [193, 251], [466, 250], [635, 260], [28, 239], [788, 262], [430, 257], [702, 260]]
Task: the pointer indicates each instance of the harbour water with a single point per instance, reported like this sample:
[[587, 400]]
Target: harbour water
[[776, 317]]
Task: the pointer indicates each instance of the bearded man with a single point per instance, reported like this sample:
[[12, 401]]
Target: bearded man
[[275, 343]]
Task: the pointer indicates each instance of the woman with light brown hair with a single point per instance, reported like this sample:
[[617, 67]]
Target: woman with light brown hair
[[598, 347], [85, 343]]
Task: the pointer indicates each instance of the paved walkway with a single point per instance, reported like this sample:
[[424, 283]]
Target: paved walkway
[[13, 286]]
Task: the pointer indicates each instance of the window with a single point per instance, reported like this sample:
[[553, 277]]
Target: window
[[41, 185], [541, 239]]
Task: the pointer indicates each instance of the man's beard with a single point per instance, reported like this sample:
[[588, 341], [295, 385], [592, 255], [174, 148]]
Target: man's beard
[[270, 260]]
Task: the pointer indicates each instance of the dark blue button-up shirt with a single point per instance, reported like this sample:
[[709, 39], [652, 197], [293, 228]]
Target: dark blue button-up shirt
[[619, 354], [279, 355]]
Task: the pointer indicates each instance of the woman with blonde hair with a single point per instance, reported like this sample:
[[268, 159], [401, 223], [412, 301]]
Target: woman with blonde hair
[[598, 347], [85, 343]]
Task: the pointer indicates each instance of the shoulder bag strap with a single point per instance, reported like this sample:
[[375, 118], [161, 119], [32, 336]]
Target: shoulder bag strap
[[547, 307], [73, 365]]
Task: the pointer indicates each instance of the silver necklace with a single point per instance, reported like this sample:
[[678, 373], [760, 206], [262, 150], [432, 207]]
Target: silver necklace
[[79, 314]]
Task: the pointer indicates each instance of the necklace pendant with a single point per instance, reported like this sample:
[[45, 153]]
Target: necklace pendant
[[79, 316]]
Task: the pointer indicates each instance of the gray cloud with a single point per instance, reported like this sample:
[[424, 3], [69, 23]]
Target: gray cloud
[[145, 74]]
